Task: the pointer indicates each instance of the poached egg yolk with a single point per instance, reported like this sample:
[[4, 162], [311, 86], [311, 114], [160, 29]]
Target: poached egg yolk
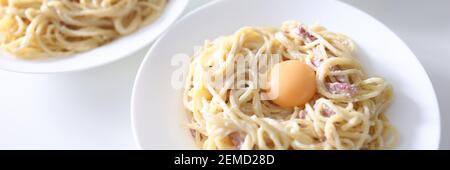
[[292, 83]]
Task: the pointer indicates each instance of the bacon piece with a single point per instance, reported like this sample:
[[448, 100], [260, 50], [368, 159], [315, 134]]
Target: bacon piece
[[306, 35], [342, 88]]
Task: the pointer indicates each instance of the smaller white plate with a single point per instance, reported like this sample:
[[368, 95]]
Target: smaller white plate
[[157, 111], [120, 48]]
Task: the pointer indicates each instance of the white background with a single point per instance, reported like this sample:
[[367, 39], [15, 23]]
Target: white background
[[90, 109]]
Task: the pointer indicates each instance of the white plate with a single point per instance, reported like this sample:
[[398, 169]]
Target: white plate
[[157, 111], [120, 48]]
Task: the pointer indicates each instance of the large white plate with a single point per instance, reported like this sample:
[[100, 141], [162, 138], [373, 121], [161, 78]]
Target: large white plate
[[120, 48], [157, 111]]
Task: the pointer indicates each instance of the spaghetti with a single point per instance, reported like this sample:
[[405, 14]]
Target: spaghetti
[[347, 111], [44, 28]]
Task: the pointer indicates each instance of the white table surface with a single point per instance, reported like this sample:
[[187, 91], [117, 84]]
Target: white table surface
[[90, 109]]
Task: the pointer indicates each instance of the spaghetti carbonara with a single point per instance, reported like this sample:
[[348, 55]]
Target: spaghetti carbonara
[[346, 112], [44, 28]]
